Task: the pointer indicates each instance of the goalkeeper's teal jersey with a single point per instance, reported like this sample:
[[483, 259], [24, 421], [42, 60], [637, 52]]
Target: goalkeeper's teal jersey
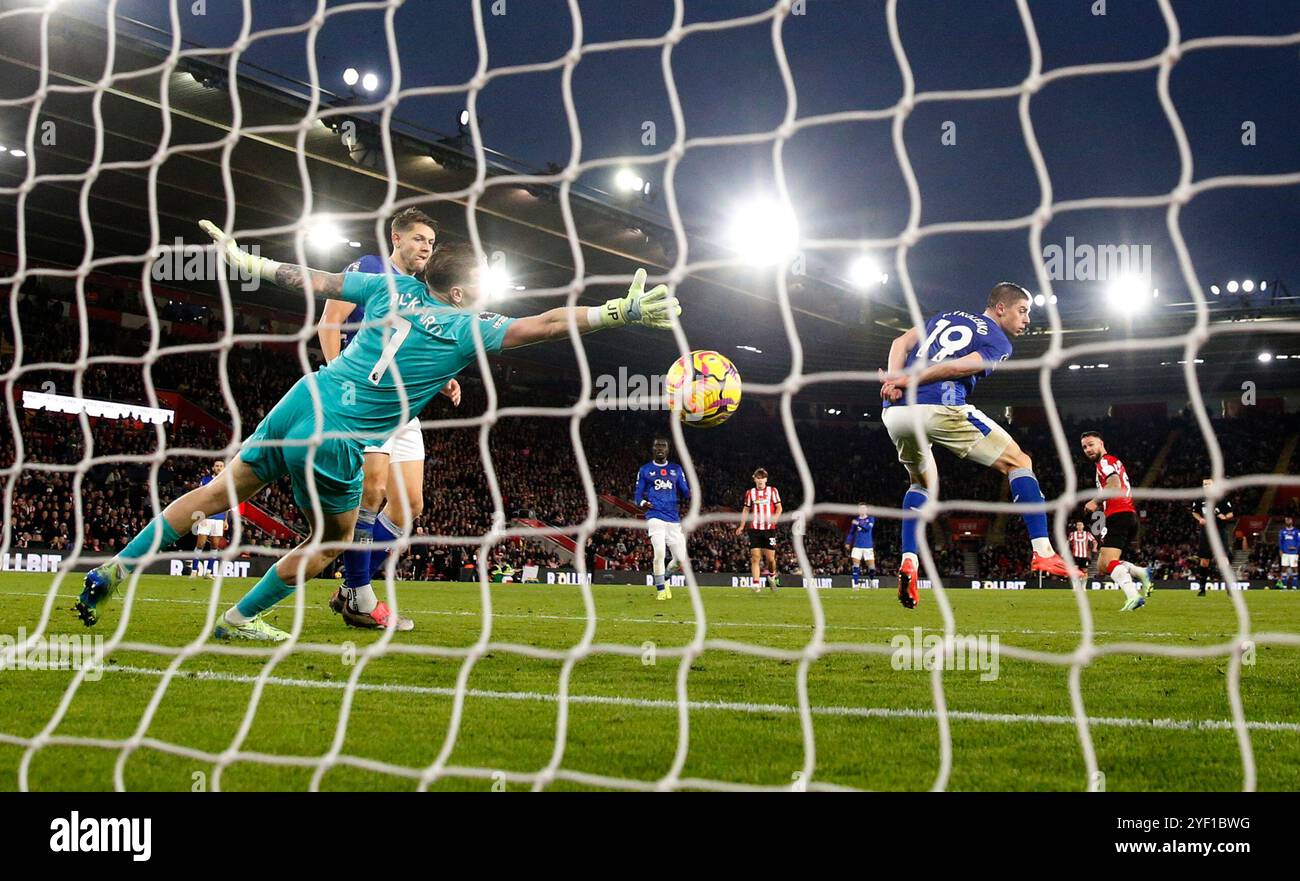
[[428, 345]]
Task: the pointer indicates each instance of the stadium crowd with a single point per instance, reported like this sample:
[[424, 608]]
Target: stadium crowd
[[535, 467]]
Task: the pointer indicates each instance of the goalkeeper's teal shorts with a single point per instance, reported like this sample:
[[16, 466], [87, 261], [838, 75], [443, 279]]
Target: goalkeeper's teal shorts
[[333, 466]]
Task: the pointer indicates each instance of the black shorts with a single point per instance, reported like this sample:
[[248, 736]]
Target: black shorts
[[762, 539], [1121, 529], [1205, 552], [1081, 563]]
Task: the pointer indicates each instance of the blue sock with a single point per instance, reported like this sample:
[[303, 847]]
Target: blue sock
[[385, 530], [265, 594], [356, 560], [916, 497], [857, 573], [137, 547], [1025, 490]]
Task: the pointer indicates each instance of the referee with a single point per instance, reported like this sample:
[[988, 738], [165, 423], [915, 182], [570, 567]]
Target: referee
[[1224, 518]]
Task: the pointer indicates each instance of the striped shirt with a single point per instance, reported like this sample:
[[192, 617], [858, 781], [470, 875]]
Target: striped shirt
[[762, 505], [1107, 466], [1080, 544]]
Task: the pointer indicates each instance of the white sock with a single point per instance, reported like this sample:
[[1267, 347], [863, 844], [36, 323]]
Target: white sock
[[1121, 577], [1043, 547], [235, 619], [1135, 570], [363, 599]]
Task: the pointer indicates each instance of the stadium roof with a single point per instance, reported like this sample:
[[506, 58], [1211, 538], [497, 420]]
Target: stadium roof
[[280, 171]]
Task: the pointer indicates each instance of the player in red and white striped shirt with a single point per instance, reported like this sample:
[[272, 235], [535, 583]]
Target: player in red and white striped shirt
[[761, 512], [1121, 523], [1082, 544]]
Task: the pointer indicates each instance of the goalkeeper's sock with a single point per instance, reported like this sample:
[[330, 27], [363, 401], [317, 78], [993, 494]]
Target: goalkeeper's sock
[[268, 591], [129, 556], [915, 497], [385, 530], [356, 560], [857, 575], [1025, 490]]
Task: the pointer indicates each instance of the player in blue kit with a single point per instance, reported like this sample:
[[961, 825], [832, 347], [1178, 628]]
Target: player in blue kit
[[660, 487], [318, 430], [859, 545], [209, 529], [399, 461], [960, 348], [1288, 546]]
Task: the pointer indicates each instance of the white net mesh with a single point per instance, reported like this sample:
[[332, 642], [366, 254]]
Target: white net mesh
[[817, 646]]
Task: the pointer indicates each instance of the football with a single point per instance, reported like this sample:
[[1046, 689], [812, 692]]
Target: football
[[703, 388]]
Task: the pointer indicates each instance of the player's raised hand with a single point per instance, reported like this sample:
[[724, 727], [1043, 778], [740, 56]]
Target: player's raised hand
[[248, 264], [652, 308]]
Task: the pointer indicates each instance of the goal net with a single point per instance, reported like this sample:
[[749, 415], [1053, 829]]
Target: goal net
[[128, 411]]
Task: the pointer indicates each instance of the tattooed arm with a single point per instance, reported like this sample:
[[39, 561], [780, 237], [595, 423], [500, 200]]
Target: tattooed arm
[[286, 275], [295, 277]]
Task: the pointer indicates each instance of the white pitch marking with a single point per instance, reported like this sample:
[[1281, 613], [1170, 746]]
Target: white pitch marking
[[687, 622], [726, 706]]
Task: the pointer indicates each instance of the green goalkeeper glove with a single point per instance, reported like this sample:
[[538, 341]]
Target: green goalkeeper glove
[[652, 308], [248, 264]]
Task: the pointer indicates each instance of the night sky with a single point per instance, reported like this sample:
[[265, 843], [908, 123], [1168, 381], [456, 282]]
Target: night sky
[[1101, 135]]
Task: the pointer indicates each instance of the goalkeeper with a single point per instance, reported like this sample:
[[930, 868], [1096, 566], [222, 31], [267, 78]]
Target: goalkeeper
[[429, 333]]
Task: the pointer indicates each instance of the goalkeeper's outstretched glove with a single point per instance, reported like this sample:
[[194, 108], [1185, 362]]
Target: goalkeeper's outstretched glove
[[652, 308], [247, 264]]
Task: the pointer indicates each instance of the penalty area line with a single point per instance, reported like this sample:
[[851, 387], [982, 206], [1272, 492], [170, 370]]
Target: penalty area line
[[688, 622], [725, 706]]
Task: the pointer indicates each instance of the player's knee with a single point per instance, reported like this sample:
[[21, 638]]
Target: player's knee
[[1014, 460], [413, 508], [372, 496]]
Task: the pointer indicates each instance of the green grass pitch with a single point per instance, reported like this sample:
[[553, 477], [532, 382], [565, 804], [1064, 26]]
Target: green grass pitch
[[1157, 720]]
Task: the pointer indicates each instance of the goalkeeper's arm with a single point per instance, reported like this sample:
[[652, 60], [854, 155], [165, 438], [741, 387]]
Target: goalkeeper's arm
[[652, 308], [285, 275]]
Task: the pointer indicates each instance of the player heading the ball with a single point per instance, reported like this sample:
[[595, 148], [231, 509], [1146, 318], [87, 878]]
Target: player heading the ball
[[960, 347], [429, 333]]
